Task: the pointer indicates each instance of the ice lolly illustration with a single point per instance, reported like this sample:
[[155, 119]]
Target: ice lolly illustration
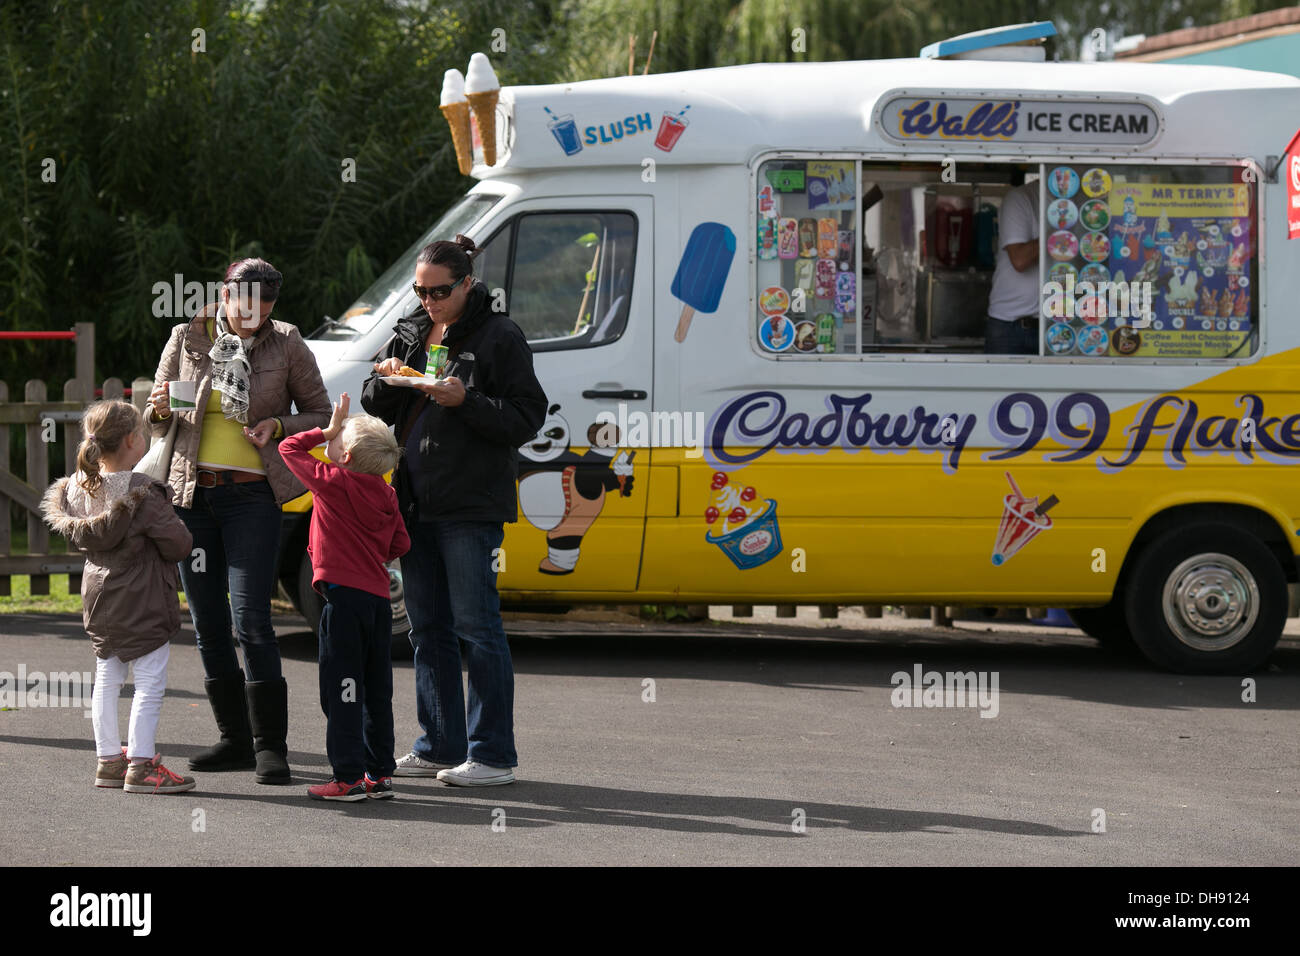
[[828, 238], [773, 300], [825, 283], [703, 272], [846, 248], [846, 291], [808, 238], [804, 271], [826, 332], [767, 201], [1022, 520], [787, 234], [766, 238]]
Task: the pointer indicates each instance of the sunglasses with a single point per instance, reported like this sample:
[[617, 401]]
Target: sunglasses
[[435, 292]]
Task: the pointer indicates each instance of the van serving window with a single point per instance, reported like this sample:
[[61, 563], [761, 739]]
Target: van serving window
[[1137, 261]]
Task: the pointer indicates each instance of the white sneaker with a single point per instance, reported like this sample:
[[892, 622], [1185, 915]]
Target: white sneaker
[[474, 774], [413, 765]]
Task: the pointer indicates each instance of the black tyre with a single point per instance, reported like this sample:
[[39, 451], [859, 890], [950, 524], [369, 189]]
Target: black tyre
[[1107, 625], [1208, 599], [310, 604], [401, 623]]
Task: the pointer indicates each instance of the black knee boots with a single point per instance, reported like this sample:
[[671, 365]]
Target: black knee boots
[[235, 749], [268, 712]]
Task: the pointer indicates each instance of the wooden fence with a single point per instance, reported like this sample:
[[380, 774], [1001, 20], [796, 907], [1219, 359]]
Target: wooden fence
[[42, 419]]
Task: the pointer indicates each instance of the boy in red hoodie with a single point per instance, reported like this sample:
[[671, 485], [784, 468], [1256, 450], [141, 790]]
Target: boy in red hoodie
[[356, 529]]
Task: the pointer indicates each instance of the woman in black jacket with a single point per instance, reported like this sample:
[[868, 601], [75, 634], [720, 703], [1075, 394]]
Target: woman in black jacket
[[456, 489]]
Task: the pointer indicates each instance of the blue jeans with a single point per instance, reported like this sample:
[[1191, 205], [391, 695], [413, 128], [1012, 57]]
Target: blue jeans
[[1009, 338], [356, 636], [451, 595], [238, 529]]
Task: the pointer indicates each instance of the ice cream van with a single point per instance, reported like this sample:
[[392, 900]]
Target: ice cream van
[[758, 297]]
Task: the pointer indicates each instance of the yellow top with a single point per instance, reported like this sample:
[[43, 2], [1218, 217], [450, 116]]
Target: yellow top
[[222, 443]]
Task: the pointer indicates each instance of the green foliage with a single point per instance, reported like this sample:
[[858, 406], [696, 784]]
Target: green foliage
[[697, 35], [174, 160], [171, 160]]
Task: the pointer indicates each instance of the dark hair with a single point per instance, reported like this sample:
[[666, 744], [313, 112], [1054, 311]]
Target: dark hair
[[259, 271], [457, 256]]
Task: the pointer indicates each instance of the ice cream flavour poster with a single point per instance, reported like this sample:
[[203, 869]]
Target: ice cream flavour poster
[[1194, 243]]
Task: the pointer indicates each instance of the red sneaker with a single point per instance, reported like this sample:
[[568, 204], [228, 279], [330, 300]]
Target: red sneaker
[[338, 790], [381, 789]]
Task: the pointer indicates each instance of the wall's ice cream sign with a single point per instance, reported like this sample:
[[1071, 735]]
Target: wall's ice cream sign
[[913, 117]]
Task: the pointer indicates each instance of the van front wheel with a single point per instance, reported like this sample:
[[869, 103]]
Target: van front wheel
[[1209, 599], [310, 605], [1107, 625]]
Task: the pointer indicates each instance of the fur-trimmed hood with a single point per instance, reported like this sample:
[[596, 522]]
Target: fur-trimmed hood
[[69, 512], [132, 539]]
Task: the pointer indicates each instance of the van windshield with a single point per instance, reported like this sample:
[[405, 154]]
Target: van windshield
[[394, 286]]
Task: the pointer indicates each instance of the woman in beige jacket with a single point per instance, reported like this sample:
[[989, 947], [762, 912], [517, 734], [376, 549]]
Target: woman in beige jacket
[[249, 372]]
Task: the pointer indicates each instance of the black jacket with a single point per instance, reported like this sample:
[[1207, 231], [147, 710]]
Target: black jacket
[[461, 462]]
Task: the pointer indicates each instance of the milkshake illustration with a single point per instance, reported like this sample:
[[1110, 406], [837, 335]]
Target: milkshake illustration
[[1022, 520], [565, 131], [671, 128]]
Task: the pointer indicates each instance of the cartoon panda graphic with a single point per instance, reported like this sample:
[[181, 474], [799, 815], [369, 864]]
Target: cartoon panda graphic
[[562, 492]]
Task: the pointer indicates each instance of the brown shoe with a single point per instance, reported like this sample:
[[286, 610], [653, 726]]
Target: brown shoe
[[112, 772], [152, 777]]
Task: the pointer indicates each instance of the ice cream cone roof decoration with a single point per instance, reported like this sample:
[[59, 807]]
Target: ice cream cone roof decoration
[[481, 78], [453, 88], [482, 90], [455, 107]]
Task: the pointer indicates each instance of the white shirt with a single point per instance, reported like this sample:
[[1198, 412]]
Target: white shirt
[[1015, 294]]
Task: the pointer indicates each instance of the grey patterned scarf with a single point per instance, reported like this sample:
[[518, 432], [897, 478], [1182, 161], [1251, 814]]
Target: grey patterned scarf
[[230, 371]]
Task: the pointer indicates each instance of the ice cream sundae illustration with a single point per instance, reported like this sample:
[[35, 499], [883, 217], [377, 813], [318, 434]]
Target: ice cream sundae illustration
[[1023, 519], [741, 523]]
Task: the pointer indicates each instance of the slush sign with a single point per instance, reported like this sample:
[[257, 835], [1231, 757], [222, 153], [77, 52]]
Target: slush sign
[[926, 117]]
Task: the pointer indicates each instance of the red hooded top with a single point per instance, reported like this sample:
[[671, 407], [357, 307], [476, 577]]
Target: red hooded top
[[355, 525]]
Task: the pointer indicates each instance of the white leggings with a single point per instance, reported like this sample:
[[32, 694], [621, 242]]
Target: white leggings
[[150, 683]]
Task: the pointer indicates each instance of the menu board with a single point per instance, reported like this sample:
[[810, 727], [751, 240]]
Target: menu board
[[807, 284], [1142, 264]]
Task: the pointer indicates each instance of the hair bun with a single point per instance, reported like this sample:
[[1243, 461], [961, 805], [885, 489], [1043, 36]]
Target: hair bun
[[466, 243]]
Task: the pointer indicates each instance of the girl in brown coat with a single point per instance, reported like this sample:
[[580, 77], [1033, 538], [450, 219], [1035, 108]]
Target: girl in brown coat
[[125, 525]]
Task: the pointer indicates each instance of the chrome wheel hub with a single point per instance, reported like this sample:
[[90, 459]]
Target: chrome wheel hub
[[1211, 602]]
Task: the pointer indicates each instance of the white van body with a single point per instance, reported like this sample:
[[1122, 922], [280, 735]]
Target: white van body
[[837, 504]]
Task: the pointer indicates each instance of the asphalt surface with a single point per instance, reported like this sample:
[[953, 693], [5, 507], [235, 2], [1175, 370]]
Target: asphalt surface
[[753, 728]]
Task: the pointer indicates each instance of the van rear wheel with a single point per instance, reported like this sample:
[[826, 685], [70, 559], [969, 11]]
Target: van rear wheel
[[1209, 599]]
